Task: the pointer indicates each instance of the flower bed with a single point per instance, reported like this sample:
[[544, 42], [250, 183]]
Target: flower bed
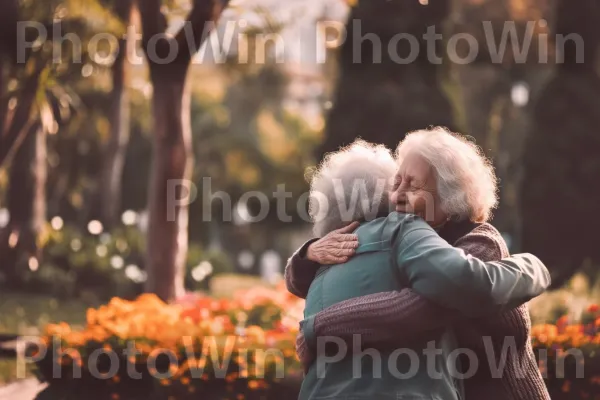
[[243, 348], [197, 346], [569, 355]]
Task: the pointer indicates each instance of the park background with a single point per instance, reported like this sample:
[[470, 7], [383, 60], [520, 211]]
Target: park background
[[86, 149]]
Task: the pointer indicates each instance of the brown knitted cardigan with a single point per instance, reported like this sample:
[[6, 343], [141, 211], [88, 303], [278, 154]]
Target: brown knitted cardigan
[[393, 318]]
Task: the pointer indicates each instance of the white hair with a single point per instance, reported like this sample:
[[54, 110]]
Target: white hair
[[466, 182], [351, 184]]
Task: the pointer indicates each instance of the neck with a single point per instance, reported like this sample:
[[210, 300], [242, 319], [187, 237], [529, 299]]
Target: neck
[[454, 230], [439, 226]]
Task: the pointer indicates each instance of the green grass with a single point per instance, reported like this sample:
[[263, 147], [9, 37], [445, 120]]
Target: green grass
[[26, 314]]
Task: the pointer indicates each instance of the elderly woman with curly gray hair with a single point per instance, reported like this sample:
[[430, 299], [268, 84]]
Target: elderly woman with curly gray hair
[[432, 271]]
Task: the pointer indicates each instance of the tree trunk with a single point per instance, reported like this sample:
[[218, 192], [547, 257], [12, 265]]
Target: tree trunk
[[172, 163], [26, 202], [382, 98], [167, 238], [116, 148]]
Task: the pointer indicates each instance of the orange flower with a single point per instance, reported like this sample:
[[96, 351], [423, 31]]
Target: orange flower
[[256, 333], [574, 329], [593, 308], [151, 324]]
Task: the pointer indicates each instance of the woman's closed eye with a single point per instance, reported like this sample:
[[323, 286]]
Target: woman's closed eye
[[416, 184]]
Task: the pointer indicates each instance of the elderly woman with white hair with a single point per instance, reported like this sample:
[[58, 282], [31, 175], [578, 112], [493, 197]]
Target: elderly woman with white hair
[[395, 256]]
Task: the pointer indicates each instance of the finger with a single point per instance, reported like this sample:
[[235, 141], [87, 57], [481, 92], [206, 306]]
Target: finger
[[330, 260], [348, 237], [349, 228], [339, 253], [346, 252], [348, 245]]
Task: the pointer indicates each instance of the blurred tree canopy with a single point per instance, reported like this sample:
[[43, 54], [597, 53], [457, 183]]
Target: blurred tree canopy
[[561, 196], [528, 102], [89, 157], [39, 98]]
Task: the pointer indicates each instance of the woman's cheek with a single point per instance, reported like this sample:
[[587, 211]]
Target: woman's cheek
[[425, 206], [415, 204]]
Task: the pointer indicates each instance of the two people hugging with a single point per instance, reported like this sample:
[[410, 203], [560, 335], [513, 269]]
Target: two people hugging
[[415, 272]]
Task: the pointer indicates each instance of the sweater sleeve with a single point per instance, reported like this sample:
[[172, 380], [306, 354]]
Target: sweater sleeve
[[399, 316], [300, 271], [453, 279]]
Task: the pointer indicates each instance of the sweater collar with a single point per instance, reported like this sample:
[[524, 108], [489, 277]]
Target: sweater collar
[[454, 230]]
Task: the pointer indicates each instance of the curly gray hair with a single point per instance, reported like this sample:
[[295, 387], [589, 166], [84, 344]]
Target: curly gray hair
[[467, 184], [349, 185]]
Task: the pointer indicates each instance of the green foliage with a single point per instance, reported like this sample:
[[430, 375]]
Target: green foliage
[[63, 63], [93, 15], [244, 138], [265, 315], [199, 259], [82, 265], [248, 140], [77, 264]]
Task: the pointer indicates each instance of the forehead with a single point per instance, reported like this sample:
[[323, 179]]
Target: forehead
[[414, 165]]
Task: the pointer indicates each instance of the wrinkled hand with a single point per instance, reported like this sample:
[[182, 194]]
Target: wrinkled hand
[[304, 353], [336, 247]]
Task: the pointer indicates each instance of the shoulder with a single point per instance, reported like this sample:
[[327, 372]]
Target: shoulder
[[485, 242], [389, 228], [392, 232]]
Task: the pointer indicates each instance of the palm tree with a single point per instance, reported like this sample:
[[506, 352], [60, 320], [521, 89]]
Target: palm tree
[[38, 101]]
